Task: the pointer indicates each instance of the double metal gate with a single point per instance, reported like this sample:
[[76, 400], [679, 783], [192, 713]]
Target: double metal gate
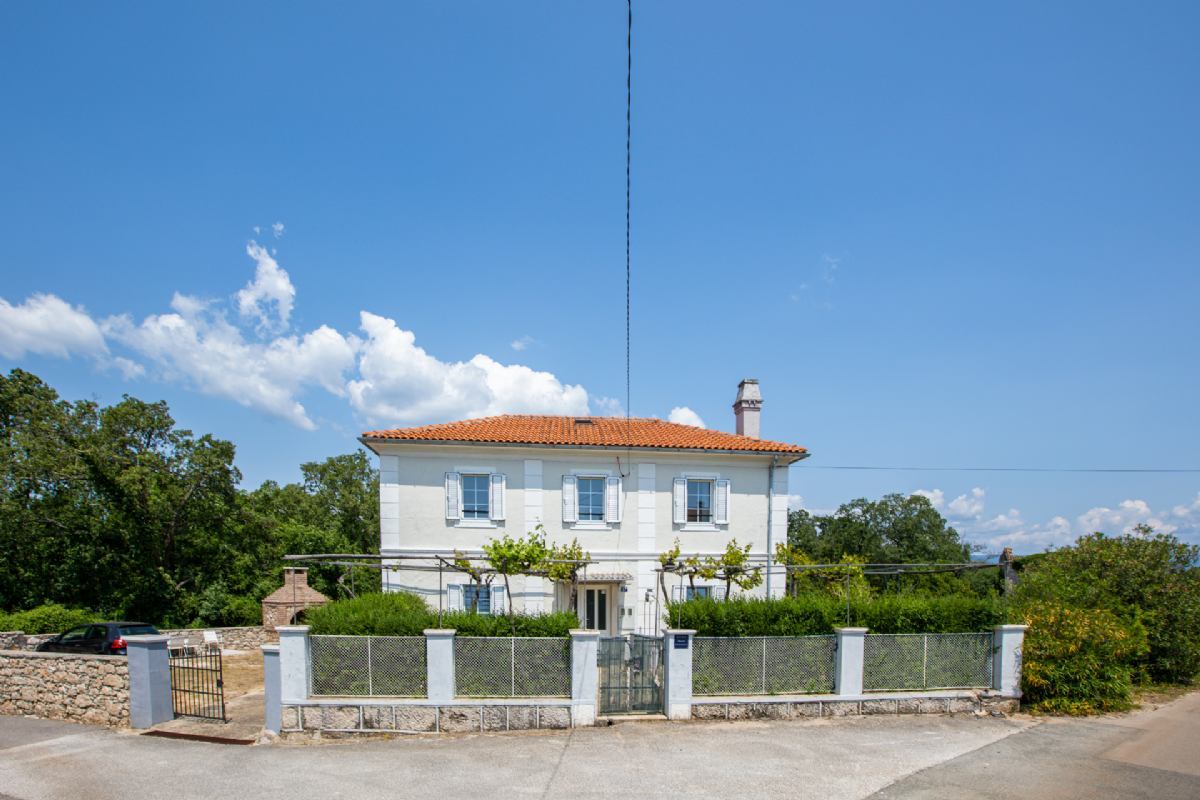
[[198, 684], [631, 674]]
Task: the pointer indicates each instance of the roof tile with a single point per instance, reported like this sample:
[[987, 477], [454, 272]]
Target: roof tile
[[596, 431]]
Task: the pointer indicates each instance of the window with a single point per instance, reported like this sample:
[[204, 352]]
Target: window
[[699, 501], [694, 592], [475, 496], [477, 599], [591, 499]]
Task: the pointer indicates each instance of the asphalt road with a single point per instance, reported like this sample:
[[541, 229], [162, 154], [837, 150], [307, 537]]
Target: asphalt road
[[885, 757]]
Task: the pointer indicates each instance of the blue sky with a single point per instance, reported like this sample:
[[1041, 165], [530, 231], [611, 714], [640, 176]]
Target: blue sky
[[940, 234]]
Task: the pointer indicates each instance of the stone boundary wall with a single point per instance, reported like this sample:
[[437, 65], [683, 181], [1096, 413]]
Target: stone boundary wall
[[242, 638], [19, 640], [766, 708], [91, 689], [350, 718]]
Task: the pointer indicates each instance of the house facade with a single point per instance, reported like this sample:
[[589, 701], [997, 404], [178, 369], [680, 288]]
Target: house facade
[[626, 489]]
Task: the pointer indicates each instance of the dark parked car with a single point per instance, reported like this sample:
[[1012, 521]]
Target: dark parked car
[[99, 638]]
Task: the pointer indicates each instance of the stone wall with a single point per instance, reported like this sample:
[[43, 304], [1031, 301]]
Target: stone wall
[[19, 640], [931, 703], [347, 718], [92, 689], [245, 638]]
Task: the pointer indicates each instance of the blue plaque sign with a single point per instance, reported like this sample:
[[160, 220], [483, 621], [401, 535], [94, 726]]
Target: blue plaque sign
[[681, 640]]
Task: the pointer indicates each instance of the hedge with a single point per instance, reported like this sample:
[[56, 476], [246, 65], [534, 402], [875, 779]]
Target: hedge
[[405, 614], [48, 618], [812, 614]]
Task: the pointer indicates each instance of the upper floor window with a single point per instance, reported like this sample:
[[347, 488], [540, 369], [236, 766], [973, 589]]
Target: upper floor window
[[591, 499], [699, 501], [475, 490]]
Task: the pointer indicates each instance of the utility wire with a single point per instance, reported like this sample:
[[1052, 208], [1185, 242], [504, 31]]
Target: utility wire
[[1150, 470], [628, 171]]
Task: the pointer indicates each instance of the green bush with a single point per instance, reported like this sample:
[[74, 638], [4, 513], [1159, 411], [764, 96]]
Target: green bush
[[817, 613], [48, 618], [1146, 577], [405, 614], [1079, 661]]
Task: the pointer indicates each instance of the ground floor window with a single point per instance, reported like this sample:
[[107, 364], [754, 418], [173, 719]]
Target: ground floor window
[[477, 598]]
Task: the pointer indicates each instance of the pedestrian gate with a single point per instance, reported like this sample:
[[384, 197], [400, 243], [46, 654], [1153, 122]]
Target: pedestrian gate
[[631, 674], [198, 684]]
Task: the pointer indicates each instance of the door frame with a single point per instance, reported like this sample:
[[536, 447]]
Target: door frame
[[612, 627]]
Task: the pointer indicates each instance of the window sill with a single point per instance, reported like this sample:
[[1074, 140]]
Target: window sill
[[591, 526], [476, 523], [700, 527]]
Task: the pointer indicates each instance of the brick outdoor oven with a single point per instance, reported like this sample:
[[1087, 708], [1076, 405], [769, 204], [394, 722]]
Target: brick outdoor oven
[[282, 606]]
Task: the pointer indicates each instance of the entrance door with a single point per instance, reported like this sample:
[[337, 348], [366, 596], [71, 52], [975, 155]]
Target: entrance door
[[631, 674], [595, 611]]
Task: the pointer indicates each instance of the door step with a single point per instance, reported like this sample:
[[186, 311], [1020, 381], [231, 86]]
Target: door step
[[620, 719]]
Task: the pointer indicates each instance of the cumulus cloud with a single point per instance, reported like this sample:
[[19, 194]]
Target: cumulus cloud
[[199, 347], [967, 505], [935, 496], [685, 416], [270, 296], [239, 351], [400, 382], [46, 325]]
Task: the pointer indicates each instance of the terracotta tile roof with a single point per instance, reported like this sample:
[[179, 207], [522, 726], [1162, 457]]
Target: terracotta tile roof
[[595, 431]]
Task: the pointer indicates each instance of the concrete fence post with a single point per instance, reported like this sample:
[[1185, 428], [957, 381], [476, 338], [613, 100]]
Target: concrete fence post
[[272, 690], [677, 673], [848, 666], [149, 681], [585, 681], [439, 664], [295, 654], [1007, 644]]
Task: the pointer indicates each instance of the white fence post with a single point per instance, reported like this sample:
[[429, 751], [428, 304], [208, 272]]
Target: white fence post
[[848, 668], [585, 682], [272, 696], [149, 681], [677, 672], [1007, 644], [439, 664], [295, 656]]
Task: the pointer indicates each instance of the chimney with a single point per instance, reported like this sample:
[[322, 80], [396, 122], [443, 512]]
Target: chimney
[[295, 578], [747, 407]]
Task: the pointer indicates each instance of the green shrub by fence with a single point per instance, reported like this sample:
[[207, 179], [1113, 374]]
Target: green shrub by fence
[[49, 618], [404, 614], [816, 614]]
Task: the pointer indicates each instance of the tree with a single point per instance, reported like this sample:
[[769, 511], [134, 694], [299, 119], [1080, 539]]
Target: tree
[[734, 568], [524, 556]]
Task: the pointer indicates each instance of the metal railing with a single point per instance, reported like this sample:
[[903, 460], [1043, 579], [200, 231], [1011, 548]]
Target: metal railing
[[512, 667], [762, 665], [368, 666], [905, 661]]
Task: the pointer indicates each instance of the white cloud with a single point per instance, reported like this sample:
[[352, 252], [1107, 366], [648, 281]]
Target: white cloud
[[400, 382], [935, 496], [277, 229], [967, 505], [46, 325], [606, 407], [199, 347], [129, 369], [521, 344], [271, 287], [685, 416]]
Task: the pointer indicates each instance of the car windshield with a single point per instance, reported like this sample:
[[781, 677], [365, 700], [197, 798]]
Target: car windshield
[[138, 630]]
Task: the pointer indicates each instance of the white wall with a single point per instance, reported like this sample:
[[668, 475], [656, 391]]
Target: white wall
[[413, 521]]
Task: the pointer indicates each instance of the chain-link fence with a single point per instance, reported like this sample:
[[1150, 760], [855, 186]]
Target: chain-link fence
[[512, 667], [368, 666], [898, 661], [762, 664]]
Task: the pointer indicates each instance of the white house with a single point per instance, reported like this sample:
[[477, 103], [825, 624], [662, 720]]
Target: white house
[[625, 488]]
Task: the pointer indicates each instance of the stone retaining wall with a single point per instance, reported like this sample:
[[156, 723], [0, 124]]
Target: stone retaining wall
[[766, 708], [376, 718], [19, 640], [92, 689], [243, 638]]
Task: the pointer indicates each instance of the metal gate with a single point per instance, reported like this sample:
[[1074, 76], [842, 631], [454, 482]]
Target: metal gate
[[198, 684], [631, 674]]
